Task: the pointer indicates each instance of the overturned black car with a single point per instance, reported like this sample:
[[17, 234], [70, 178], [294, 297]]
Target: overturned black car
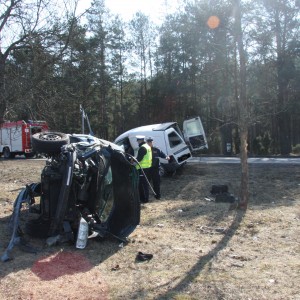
[[88, 188]]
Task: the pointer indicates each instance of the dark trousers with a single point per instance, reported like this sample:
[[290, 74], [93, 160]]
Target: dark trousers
[[155, 177], [143, 185]]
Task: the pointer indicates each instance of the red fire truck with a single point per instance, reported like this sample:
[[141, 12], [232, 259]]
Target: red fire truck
[[15, 137]]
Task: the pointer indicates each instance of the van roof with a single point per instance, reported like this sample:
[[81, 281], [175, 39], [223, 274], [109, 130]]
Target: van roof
[[163, 126], [152, 127]]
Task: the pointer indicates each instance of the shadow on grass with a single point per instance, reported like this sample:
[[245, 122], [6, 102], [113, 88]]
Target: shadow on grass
[[270, 186], [204, 260], [198, 267]]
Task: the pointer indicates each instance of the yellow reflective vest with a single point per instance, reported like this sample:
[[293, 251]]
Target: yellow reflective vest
[[146, 162]]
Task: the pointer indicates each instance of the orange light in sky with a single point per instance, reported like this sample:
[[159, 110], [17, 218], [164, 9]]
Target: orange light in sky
[[213, 22]]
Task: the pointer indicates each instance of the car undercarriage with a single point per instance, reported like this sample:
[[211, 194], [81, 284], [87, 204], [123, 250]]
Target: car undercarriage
[[84, 179]]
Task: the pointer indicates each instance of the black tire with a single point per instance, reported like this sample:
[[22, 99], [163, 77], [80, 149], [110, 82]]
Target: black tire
[[162, 171], [29, 155], [38, 228], [7, 154], [49, 142]]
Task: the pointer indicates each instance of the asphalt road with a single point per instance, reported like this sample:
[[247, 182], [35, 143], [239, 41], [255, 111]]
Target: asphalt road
[[251, 160], [219, 160]]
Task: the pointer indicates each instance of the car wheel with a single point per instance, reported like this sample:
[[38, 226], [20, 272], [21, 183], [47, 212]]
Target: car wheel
[[49, 142]]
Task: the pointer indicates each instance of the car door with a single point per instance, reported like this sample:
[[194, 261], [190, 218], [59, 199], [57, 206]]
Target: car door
[[194, 134], [176, 146]]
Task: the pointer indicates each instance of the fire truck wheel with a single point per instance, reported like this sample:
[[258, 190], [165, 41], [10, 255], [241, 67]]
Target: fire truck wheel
[[49, 142], [7, 154]]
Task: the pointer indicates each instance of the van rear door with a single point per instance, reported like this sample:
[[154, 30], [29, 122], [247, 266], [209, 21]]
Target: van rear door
[[194, 134]]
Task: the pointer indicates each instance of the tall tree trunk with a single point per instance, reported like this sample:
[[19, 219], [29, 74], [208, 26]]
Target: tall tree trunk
[[103, 91], [283, 116], [2, 88], [243, 111]]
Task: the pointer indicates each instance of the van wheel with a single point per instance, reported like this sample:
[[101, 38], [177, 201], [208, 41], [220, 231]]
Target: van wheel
[[49, 142], [162, 171], [7, 154]]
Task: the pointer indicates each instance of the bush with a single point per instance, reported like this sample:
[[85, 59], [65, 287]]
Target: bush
[[296, 149], [214, 145], [262, 145]]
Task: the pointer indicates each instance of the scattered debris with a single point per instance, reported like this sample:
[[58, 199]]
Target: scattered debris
[[239, 265], [115, 268], [239, 257], [221, 194], [225, 197], [143, 256], [212, 230], [208, 199], [219, 189], [272, 280]]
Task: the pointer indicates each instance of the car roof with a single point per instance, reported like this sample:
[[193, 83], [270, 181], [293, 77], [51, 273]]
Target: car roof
[[87, 138]]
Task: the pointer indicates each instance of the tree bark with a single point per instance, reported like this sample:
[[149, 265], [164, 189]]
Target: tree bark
[[2, 88], [283, 116], [243, 111]]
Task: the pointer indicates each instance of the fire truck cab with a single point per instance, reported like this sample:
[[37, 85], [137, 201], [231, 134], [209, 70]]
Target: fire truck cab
[[15, 137]]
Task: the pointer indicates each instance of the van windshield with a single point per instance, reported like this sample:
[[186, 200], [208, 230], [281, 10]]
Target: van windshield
[[174, 139]]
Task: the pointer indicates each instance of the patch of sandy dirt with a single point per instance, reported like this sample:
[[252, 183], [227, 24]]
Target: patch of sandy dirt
[[201, 249]]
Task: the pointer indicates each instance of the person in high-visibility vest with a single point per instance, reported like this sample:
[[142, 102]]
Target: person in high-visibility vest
[[144, 157], [154, 170]]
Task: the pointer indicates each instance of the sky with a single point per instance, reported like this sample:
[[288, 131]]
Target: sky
[[155, 9]]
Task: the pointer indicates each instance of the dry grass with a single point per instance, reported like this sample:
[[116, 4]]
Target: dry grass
[[201, 249]]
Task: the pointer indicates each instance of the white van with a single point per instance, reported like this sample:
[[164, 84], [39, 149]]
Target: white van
[[170, 139]]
